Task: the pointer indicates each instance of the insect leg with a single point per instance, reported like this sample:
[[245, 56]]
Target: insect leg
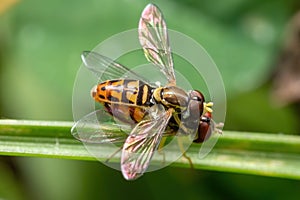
[[183, 152], [160, 151], [113, 155]]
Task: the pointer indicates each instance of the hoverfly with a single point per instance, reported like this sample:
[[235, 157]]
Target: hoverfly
[[152, 111]]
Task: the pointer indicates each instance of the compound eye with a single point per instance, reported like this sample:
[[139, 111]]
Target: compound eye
[[204, 132], [197, 96]]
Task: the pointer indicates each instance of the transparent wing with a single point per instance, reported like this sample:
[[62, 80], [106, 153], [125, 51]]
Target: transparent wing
[[100, 127], [153, 36], [142, 143], [107, 69], [208, 144]]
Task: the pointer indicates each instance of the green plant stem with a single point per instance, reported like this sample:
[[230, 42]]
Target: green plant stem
[[274, 155]]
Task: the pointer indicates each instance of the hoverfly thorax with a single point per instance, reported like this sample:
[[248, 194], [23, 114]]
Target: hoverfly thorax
[[171, 97]]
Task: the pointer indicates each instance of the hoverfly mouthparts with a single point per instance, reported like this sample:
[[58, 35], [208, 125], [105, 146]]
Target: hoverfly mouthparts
[[152, 112]]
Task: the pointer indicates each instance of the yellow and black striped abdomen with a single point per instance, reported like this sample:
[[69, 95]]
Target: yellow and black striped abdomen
[[123, 91], [125, 99]]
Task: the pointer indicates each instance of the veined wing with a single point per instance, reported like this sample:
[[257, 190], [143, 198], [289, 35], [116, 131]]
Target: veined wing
[[107, 69], [142, 143], [153, 36], [99, 127]]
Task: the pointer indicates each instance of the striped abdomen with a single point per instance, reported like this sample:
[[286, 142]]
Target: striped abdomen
[[123, 91], [125, 99]]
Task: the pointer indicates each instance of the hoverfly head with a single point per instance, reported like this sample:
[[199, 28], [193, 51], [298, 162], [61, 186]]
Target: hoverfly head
[[196, 101]]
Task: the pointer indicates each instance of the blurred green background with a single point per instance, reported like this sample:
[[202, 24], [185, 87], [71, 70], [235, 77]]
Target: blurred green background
[[40, 46]]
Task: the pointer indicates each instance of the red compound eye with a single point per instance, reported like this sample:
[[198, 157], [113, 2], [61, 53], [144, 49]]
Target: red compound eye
[[204, 131]]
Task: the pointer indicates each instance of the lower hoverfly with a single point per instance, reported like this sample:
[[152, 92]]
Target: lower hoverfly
[[153, 111]]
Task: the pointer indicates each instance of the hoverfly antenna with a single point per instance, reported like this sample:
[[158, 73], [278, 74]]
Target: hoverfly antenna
[[208, 107]]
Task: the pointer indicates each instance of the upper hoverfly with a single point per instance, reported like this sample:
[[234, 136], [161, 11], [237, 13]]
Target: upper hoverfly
[[152, 111]]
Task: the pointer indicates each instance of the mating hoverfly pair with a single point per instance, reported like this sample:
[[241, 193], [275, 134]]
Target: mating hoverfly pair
[[152, 111]]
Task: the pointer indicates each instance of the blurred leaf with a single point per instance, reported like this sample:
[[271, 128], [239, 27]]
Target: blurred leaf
[[6, 4], [272, 155], [253, 112], [10, 187]]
